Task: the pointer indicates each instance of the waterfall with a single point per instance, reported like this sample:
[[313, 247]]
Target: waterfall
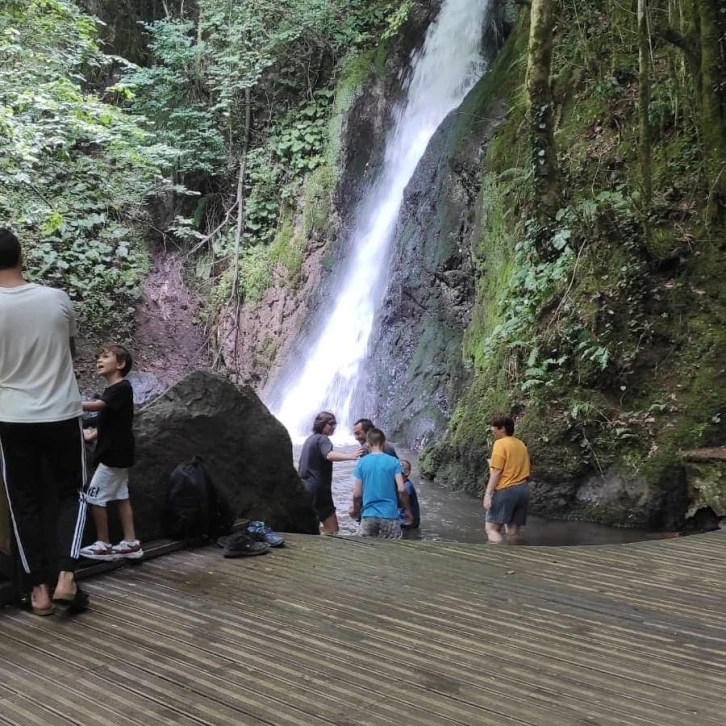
[[442, 72]]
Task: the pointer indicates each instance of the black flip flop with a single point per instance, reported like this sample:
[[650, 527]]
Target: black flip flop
[[77, 603]]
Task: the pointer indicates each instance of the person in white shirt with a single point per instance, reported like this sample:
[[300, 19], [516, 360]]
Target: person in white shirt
[[40, 428]]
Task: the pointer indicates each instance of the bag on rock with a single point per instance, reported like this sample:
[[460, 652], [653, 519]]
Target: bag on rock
[[195, 509]]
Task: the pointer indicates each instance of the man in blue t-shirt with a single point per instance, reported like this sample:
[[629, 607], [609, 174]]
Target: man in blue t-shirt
[[378, 488], [413, 498]]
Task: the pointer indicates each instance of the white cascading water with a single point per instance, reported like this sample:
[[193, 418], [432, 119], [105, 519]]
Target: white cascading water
[[443, 71]]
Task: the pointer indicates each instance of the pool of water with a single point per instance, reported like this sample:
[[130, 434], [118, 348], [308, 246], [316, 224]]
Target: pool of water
[[459, 517]]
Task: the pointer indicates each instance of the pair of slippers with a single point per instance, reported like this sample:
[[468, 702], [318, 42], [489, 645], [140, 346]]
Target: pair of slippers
[[70, 604]]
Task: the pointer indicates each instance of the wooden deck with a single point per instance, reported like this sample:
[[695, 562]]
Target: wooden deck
[[349, 632]]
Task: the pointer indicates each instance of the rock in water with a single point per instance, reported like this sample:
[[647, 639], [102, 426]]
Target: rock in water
[[246, 450]]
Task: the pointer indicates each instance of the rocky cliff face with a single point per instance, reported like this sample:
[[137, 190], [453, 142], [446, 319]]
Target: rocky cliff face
[[272, 333], [416, 370]]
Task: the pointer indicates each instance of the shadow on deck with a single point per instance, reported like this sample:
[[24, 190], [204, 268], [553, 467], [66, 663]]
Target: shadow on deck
[[350, 632]]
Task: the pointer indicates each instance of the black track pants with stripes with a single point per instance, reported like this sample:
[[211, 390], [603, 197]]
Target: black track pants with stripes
[[28, 453]]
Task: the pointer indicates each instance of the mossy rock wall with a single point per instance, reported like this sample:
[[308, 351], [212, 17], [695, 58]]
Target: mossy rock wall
[[602, 332], [415, 372]]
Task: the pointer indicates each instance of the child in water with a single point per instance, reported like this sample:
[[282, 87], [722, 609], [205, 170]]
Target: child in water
[[413, 498]]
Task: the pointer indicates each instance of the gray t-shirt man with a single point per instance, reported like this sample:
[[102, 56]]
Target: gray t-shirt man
[[37, 382]]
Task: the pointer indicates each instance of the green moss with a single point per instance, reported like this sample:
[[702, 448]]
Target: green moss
[[618, 362], [353, 73], [707, 483], [318, 200], [254, 272], [288, 248]]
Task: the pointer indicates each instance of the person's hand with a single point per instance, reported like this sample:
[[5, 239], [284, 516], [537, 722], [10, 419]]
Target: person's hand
[[408, 518], [487, 502], [353, 512], [357, 453], [89, 434]]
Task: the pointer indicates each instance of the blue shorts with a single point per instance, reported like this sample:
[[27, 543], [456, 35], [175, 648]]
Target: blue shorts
[[509, 505]]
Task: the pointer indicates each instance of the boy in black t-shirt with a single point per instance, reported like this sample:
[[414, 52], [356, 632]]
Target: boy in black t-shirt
[[114, 454]]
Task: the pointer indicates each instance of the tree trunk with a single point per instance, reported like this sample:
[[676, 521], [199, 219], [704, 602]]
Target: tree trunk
[[241, 197], [712, 72], [540, 114], [644, 104]]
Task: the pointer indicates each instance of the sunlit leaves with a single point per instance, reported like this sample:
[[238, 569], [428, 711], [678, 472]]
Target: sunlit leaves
[[75, 172]]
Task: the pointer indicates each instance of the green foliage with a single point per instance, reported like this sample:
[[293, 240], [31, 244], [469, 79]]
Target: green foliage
[[299, 140], [288, 248], [171, 96], [255, 272], [75, 172], [602, 330], [259, 57]]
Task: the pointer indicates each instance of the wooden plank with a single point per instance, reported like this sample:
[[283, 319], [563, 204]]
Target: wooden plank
[[343, 631]]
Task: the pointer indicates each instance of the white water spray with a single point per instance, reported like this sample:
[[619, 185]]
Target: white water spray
[[443, 72]]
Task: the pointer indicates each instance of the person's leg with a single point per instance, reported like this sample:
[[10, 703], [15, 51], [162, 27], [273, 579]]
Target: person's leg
[[494, 532], [330, 524], [21, 460], [519, 513], [325, 508], [389, 529], [513, 532], [100, 519], [126, 515], [368, 527], [100, 493], [129, 547], [67, 456], [498, 514]]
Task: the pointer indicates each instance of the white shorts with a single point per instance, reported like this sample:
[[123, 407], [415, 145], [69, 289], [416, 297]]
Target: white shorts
[[108, 485]]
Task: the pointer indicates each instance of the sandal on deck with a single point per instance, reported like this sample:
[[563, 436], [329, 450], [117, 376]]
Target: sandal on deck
[[75, 603], [42, 612]]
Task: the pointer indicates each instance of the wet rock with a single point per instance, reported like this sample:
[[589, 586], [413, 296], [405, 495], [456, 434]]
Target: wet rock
[[146, 387], [246, 450], [416, 372], [706, 476], [263, 341]]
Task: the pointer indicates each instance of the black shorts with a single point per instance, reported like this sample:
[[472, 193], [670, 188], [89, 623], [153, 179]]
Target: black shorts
[[322, 499], [509, 505]]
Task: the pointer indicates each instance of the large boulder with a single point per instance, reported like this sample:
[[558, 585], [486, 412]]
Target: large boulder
[[246, 450]]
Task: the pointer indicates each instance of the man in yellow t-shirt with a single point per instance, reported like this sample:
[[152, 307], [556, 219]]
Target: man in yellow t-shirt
[[507, 493]]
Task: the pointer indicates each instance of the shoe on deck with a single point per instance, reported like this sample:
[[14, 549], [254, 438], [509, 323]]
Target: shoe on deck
[[240, 544], [99, 551], [130, 549], [262, 533]]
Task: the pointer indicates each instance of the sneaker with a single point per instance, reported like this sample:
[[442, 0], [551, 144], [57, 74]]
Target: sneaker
[[240, 544], [99, 551], [130, 549], [262, 533]]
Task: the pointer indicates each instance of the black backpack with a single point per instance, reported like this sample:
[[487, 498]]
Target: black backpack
[[195, 510]]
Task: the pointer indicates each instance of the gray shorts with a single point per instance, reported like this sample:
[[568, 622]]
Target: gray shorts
[[108, 484], [509, 505], [379, 527]]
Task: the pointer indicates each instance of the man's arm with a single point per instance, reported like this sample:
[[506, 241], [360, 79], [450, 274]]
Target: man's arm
[[355, 508], [340, 456], [494, 476], [72, 346]]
